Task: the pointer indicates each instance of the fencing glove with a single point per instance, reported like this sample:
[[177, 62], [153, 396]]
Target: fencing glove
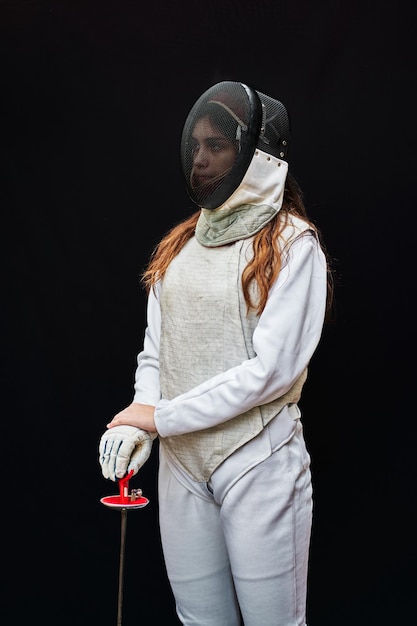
[[122, 449]]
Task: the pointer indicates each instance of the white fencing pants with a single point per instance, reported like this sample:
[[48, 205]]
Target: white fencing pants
[[236, 549]]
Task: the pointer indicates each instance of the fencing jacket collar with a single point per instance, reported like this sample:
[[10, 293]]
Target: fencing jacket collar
[[254, 203]]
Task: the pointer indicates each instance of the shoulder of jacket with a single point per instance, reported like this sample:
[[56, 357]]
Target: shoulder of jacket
[[296, 227]]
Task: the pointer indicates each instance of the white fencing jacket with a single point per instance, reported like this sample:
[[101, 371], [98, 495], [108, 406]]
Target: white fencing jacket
[[217, 375]]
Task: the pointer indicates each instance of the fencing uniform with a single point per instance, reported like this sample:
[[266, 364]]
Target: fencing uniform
[[235, 495], [235, 510]]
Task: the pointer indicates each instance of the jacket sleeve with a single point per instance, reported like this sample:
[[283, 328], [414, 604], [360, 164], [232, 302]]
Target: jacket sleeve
[[147, 388], [287, 334]]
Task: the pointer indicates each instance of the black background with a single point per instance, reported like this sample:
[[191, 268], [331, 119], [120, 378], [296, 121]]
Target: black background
[[93, 98]]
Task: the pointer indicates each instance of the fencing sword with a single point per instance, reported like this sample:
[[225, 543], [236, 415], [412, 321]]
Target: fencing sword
[[125, 501]]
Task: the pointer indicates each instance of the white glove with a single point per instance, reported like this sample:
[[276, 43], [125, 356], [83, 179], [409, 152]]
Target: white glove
[[122, 449]]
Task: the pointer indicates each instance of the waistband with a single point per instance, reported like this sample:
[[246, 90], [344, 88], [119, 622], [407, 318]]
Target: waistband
[[276, 434]]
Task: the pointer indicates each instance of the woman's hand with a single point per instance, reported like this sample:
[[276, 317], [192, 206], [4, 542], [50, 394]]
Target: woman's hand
[[139, 415]]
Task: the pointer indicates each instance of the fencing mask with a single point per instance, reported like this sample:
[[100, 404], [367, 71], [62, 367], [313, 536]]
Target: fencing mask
[[225, 126]]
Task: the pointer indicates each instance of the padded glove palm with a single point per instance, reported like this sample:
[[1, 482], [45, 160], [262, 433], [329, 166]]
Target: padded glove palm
[[122, 449]]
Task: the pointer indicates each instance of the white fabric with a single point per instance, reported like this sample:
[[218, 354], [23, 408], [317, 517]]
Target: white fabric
[[203, 333], [275, 435], [254, 203], [122, 449], [247, 528], [284, 340], [242, 540]]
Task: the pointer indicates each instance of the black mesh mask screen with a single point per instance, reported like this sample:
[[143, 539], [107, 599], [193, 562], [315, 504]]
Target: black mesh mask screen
[[218, 142]]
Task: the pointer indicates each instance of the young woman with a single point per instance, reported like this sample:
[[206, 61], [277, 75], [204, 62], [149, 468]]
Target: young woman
[[237, 299]]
